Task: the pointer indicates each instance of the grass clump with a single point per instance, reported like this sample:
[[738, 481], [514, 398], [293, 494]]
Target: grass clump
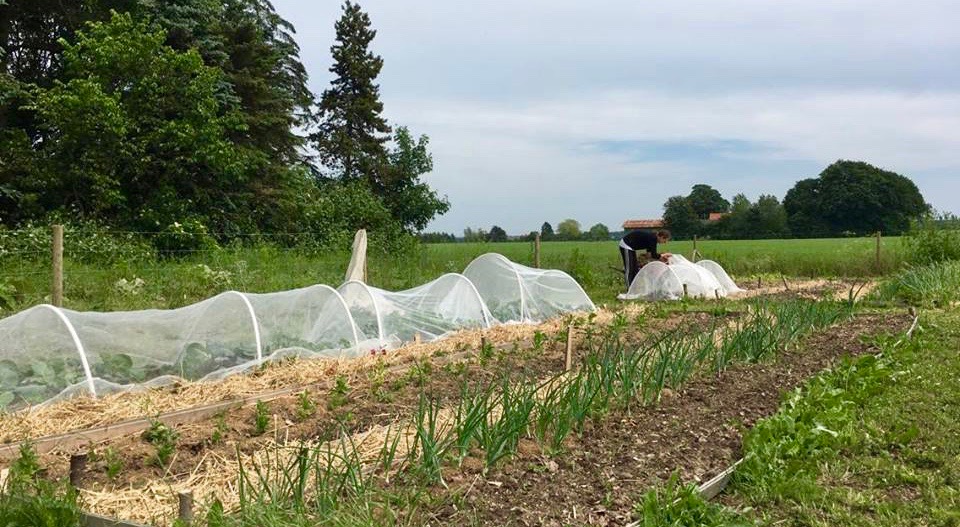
[[936, 285], [28, 500]]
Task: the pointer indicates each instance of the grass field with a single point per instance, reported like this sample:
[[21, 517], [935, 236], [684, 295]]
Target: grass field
[[125, 285]]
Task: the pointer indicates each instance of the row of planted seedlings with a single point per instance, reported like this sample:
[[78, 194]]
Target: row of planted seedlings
[[343, 482]]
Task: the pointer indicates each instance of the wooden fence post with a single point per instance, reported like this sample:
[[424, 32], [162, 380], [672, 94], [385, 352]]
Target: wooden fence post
[[185, 512], [878, 251], [56, 293], [78, 463], [536, 251]]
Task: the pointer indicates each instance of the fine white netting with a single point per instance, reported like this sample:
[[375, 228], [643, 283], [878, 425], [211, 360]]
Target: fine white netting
[[660, 281], [48, 353], [517, 293]]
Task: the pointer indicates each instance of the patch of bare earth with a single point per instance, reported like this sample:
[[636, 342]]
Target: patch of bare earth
[[696, 431]]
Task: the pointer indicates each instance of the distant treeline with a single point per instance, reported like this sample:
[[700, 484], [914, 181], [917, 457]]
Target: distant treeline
[[849, 198]]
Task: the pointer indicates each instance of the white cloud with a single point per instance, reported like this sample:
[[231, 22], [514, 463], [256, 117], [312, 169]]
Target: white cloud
[[513, 93], [492, 158]]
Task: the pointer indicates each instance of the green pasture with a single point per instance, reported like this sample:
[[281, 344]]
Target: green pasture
[[137, 283]]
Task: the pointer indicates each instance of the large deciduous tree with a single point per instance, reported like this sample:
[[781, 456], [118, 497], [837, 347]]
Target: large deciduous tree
[[352, 135], [680, 218], [497, 234], [853, 197], [599, 232], [135, 134], [705, 199], [412, 202], [568, 229]]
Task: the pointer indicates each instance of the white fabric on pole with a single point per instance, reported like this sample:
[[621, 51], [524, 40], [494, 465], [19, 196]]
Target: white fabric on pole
[[659, 281], [358, 258]]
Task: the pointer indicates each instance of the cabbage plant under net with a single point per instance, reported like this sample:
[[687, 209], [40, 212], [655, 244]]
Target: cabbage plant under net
[[388, 318], [47, 353], [660, 281]]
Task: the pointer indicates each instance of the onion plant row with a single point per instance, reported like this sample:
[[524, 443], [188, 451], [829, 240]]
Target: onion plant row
[[490, 421]]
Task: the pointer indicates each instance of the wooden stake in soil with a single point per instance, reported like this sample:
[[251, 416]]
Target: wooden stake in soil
[[878, 250], [416, 338], [568, 363], [185, 513], [56, 293], [759, 282], [536, 251], [684, 290], [78, 464], [785, 285]]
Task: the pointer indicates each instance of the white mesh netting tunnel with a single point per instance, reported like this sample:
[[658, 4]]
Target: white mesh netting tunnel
[[48, 353], [517, 293], [661, 281]]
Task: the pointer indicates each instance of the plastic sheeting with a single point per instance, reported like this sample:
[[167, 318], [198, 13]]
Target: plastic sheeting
[[47, 353], [660, 281]]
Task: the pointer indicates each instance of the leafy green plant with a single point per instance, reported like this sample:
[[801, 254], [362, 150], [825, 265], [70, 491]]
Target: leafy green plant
[[339, 394], [261, 417], [539, 338], [29, 500], [305, 406], [679, 504], [814, 421], [164, 440], [114, 463], [220, 428]]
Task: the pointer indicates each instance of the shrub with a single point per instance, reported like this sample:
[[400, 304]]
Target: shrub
[[935, 238], [83, 241], [184, 238]]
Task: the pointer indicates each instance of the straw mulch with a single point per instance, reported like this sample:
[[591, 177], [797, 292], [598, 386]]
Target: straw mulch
[[83, 412]]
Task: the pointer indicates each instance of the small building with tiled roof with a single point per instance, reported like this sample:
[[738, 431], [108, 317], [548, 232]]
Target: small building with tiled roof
[[643, 224]]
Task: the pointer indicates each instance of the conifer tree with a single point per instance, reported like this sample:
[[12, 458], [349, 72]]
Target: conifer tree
[[352, 135]]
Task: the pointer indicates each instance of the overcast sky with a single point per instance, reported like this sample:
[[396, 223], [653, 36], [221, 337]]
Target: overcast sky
[[540, 110]]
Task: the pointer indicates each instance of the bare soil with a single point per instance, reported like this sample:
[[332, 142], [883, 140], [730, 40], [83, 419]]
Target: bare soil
[[696, 431]]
